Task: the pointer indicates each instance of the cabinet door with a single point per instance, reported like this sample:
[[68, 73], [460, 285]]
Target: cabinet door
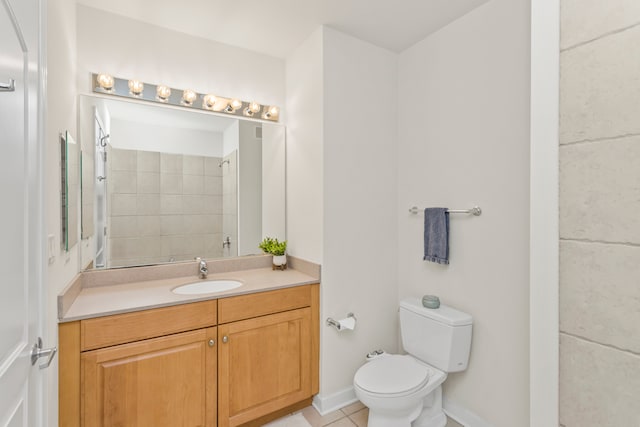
[[168, 381], [264, 364]]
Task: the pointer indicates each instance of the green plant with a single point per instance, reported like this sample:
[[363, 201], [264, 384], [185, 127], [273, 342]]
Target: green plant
[[273, 247]]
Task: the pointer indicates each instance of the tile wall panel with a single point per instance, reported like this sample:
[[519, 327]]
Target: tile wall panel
[[160, 208], [601, 293], [598, 385], [599, 220]]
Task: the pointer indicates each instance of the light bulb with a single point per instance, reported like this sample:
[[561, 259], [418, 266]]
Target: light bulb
[[163, 93], [105, 82], [233, 105], [251, 109], [271, 113], [136, 87], [188, 97], [209, 101]]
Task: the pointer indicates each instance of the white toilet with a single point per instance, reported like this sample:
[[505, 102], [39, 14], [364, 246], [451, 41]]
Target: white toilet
[[406, 390]]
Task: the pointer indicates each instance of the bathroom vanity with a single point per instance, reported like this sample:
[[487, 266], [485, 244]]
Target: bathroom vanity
[[240, 357]]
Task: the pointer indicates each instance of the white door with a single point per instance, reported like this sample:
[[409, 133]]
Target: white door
[[20, 214]]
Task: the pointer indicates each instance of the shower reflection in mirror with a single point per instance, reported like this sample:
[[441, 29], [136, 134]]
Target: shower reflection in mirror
[[162, 185]]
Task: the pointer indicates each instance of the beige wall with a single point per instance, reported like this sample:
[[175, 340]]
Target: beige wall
[[599, 220]]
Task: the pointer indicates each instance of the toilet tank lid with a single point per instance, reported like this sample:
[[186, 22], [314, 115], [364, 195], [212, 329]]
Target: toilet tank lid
[[445, 314]]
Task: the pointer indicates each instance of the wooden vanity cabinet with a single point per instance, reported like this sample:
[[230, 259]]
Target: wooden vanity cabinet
[[173, 366], [146, 368], [264, 364], [168, 381], [267, 354]]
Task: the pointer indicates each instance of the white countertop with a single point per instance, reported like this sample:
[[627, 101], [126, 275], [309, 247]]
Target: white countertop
[[143, 295]]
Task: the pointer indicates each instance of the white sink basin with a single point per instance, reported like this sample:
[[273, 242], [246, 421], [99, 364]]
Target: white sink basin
[[207, 287]]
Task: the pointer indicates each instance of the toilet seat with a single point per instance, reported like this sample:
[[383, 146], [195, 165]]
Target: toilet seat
[[392, 375]]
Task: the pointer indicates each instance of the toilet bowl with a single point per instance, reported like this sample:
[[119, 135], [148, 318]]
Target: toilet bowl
[[406, 390], [398, 389]]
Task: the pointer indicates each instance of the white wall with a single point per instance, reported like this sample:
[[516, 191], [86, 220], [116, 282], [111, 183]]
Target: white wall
[[342, 179], [249, 189], [274, 181], [231, 139], [132, 49], [359, 266], [304, 149], [130, 135], [61, 116], [464, 140]]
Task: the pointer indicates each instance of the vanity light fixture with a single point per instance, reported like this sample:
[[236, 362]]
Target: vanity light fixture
[[148, 92], [188, 97], [209, 101], [105, 82], [252, 109], [233, 105], [271, 113], [136, 87], [163, 93]]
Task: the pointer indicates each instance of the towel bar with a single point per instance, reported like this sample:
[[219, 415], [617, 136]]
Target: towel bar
[[474, 210]]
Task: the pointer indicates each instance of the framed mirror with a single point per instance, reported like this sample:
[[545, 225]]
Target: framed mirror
[[165, 184], [69, 173]]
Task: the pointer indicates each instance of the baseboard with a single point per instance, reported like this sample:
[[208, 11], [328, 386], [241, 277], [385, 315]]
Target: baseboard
[[462, 415], [335, 401]]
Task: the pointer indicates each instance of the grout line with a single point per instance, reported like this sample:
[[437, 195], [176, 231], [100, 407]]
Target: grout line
[[607, 34], [603, 139], [601, 242], [609, 346]]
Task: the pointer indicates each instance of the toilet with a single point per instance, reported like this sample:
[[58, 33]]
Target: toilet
[[406, 390]]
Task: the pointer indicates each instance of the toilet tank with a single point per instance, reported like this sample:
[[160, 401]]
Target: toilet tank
[[440, 337]]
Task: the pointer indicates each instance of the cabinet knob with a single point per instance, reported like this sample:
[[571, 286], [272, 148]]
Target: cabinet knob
[[225, 339], [212, 343]]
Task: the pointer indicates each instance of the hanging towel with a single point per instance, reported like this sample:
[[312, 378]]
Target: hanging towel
[[436, 235]]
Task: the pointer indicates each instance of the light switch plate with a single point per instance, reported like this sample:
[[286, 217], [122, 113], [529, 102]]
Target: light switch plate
[[51, 245]]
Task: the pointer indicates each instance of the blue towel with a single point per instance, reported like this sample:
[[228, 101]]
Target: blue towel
[[436, 235]]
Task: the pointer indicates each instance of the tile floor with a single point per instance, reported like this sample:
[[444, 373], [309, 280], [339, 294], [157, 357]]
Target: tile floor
[[352, 415]]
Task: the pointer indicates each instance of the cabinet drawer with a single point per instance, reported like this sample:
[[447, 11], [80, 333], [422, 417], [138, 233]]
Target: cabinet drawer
[[260, 304], [128, 327]]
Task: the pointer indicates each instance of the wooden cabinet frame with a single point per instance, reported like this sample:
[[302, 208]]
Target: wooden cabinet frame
[[78, 337]]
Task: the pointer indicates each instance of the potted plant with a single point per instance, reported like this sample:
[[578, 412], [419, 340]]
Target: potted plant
[[277, 249]]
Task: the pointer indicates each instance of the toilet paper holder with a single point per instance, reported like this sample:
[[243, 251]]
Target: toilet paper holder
[[338, 324]]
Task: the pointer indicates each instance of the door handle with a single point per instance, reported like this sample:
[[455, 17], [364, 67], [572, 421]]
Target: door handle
[[8, 87], [37, 352]]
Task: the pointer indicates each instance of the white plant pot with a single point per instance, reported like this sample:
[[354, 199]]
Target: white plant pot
[[280, 260]]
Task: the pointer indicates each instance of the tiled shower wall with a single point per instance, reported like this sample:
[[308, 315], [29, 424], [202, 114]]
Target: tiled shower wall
[[163, 207], [600, 213]]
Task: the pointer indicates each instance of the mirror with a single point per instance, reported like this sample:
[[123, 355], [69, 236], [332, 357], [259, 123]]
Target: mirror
[[70, 167], [165, 184]]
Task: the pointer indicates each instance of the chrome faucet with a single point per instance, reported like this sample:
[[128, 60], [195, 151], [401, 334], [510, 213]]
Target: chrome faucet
[[202, 268]]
